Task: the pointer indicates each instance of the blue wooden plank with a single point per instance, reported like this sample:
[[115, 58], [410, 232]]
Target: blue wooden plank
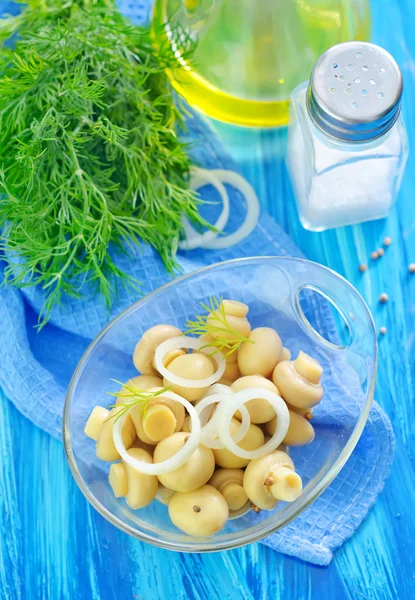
[[54, 546]]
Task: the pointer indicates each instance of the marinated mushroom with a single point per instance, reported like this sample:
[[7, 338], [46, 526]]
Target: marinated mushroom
[[234, 308], [252, 440], [231, 372], [300, 431], [164, 494], [202, 512], [95, 422], [299, 381], [186, 425], [261, 353], [159, 422], [143, 357], [142, 488], [118, 479], [272, 478], [259, 409], [105, 448], [140, 382], [192, 367], [229, 482], [194, 473], [237, 323], [307, 413], [140, 444], [161, 419], [230, 358]]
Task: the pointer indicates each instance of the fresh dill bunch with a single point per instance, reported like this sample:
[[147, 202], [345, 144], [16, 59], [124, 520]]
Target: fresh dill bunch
[[89, 156], [133, 396], [215, 323]]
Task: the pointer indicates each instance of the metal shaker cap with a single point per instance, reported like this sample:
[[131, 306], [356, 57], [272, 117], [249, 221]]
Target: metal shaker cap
[[355, 91]]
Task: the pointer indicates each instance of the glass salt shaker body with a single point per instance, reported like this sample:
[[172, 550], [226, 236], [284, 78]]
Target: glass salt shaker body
[[347, 145]]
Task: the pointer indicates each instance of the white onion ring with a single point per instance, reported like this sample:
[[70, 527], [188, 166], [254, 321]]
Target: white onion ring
[[195, 344], [200, 178], [209, 432], [226, 410], [175, 461], [216, 388], [252, 213]]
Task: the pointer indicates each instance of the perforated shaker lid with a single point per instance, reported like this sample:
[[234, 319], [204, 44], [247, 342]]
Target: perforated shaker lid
[[355, 91]]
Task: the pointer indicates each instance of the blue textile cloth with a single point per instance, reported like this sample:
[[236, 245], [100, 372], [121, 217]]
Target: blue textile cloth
[[36, 367]]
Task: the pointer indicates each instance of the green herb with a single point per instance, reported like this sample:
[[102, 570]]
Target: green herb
[[216, 322], [88, 150], [133, 397]]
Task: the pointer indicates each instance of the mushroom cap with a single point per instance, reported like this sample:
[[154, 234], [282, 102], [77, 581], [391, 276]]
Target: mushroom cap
[[138, 417], [193, 367], [164, 494], [235, 308], [239, 325], [229, 482], [296, 390], [261, 356], [208, 339], [194, 473], [118, 479], [259, 409], [105, 448], [256, 473], [231, 372], [143, 446], [177, 409], [252, 440], [95, 422], [202, 512], [140, 382], [144, 351], [300, 431]]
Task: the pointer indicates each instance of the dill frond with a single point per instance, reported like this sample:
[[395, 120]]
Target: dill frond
[[133, 397], [89, 156], [215, 323]]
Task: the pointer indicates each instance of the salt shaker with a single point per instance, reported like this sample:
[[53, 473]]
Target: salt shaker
[[347, 144]]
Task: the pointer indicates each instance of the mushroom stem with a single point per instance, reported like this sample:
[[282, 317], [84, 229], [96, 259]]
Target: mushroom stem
[[234, 495], [159, 422], [287, 484], [169, 357], [308, 368]]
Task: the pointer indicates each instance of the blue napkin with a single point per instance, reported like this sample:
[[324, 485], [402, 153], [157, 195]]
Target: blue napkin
[[36, 367]]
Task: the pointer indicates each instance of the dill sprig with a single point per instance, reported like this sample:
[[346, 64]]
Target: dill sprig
[[216, 322], [89, 157], [133, 397]]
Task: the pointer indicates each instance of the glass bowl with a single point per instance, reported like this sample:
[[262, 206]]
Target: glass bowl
[[312, 308]]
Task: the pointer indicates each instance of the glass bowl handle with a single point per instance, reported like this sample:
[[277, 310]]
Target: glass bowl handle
[[344, 298]]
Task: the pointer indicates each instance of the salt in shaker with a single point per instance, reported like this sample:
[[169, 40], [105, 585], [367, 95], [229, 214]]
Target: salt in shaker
[[347, 144]]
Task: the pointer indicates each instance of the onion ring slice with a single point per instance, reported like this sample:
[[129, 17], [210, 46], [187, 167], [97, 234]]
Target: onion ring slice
[[226, 410], [184, 341], [209, 432], [193, 239], [175, 461]]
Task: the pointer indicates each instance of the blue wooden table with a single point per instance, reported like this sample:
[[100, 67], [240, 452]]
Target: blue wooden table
[[53, 545]]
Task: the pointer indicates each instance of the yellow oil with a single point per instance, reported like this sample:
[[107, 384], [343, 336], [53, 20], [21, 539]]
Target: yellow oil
[[250, 54]]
